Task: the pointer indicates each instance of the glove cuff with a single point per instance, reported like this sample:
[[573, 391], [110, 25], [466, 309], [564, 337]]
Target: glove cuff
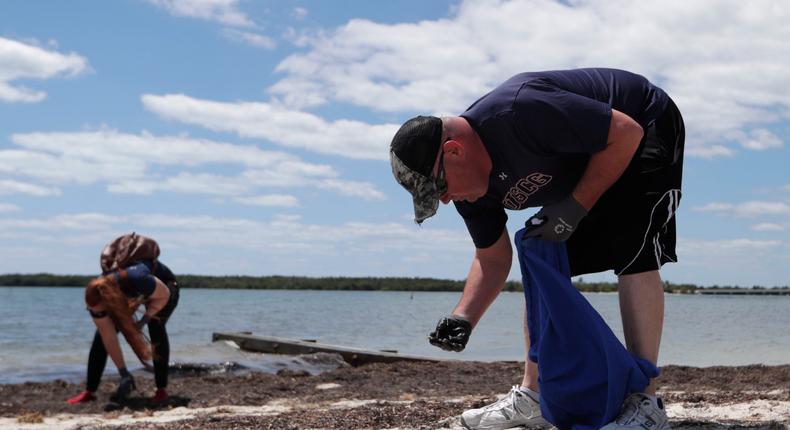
[[461, 321], [574, 208]]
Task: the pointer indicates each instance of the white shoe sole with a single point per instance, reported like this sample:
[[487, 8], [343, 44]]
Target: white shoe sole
[[544, 425]]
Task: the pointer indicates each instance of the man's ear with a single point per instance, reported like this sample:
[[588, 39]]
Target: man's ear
[[453, 148]]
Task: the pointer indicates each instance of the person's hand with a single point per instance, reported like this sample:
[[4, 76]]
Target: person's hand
[[451, 333], [125, 387], [143, 321], [556, 222]]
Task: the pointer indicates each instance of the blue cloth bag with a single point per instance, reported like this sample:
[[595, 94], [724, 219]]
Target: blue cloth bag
[[585, 372]]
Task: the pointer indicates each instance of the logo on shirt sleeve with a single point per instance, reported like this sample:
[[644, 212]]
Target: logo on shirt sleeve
[[516, 198]]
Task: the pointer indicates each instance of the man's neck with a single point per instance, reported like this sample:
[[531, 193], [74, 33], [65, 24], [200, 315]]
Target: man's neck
[[476, 145]]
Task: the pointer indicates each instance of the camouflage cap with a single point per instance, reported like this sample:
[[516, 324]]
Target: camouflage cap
[[413, 154]]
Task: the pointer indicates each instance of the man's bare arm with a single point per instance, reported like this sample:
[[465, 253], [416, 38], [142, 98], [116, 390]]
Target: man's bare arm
[[487, 275], [606, 166]]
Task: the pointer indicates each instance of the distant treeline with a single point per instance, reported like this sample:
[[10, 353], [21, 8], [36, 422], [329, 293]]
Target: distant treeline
[[307, 283]]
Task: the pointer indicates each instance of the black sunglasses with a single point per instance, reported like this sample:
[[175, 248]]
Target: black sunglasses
[[440, 181]]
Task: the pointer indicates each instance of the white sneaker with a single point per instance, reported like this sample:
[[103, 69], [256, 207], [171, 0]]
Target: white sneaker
[[514, 410], [639, 412]]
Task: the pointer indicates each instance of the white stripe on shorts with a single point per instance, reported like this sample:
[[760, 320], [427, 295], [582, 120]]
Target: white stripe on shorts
[[671, 208], [657, 249]]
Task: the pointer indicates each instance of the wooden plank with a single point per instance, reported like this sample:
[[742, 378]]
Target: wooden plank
[[279, 345]]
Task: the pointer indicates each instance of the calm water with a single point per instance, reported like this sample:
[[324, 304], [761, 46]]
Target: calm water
[[45, 333]]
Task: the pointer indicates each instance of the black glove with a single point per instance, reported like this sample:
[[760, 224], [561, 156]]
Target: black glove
[[143, 321], [451, 333], [125, 387], [556, 222]]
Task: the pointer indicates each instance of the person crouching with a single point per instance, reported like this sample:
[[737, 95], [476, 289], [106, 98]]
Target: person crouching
[[112, 300]]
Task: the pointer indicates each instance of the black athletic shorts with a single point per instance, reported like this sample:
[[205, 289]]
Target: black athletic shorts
[[631, 229]]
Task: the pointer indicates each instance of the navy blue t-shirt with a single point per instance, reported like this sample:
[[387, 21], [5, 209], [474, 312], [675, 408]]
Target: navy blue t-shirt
[[139, 280], [540, 129]]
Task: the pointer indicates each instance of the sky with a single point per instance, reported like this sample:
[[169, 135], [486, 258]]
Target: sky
[[251, 137]]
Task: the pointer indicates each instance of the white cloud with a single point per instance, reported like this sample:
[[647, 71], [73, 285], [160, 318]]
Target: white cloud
[[733, 261], [286, 244], [747, 209], [90, 156], [8, 186], [291, 177], [24, 61], [7, 207], [184, 183], [709, 248], [300, 13], [279, 239], [222, 11], [74, 222], [301, 37], [724, 62], [768, 226], [145, 163], [253, 233], [709, 151], [252, 39], [282, 200], [758, 139], [365, 190], [287, 127]]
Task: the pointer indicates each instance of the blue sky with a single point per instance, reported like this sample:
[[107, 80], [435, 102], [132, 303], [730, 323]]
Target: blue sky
[[250, 137]]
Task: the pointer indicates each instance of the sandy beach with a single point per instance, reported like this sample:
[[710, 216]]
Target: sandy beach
[[379, 396]]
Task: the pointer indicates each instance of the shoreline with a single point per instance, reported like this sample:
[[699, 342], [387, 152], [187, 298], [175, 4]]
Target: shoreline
[[386, 396], [407, 284], [700, 291]]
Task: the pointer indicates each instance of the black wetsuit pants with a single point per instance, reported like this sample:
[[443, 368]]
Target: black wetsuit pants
[[97, 358]]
